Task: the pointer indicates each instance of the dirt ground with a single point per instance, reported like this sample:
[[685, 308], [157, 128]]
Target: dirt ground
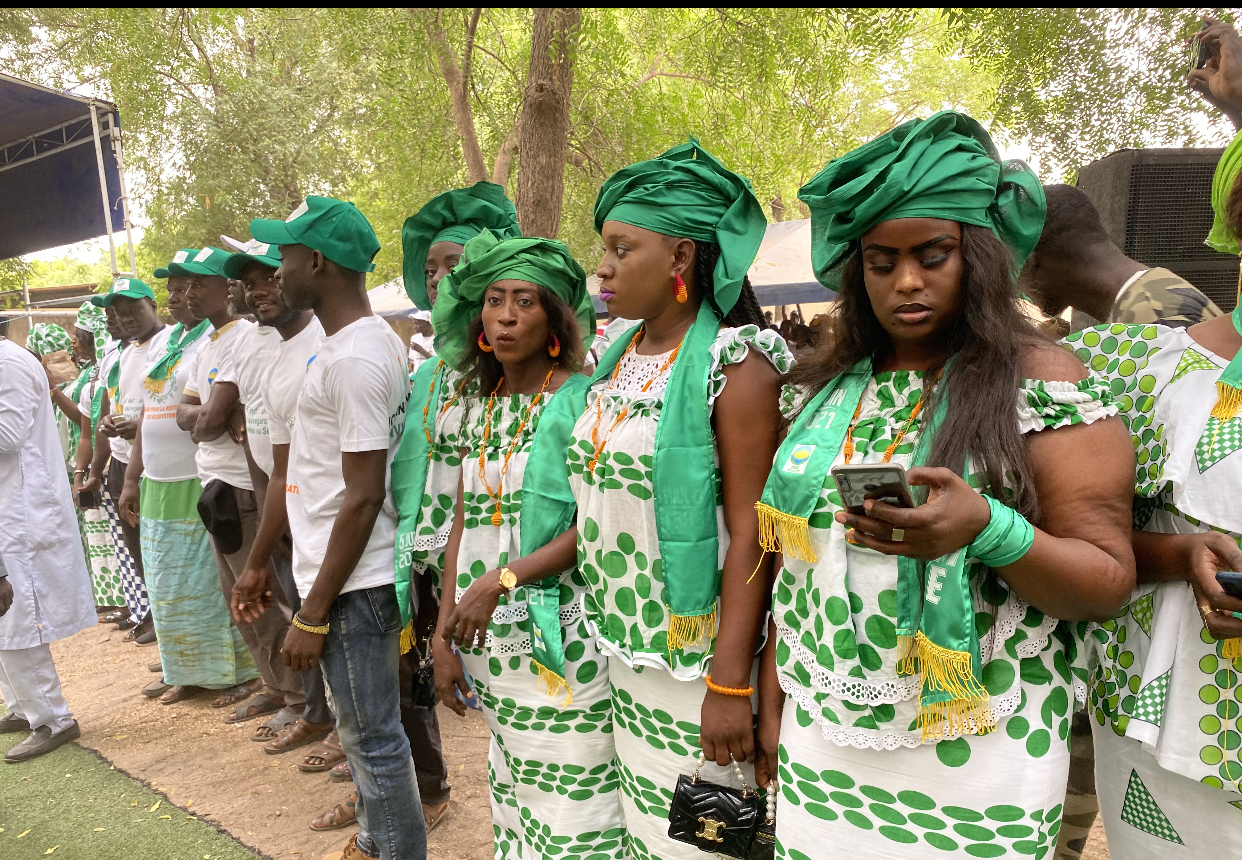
[[216, 772]]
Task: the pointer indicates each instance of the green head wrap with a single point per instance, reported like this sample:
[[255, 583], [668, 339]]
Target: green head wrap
[[93, 319], [945, 166], [687, 193], [1221, 237], [46, 338], [486, 260], [454, 216]]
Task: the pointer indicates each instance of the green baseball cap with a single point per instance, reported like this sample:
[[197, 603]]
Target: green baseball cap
[[179, 257], [259, 252], [130, 288], [334, 228], [205, 261]]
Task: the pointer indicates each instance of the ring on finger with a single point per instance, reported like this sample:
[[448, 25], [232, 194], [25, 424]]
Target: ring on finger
[[898, 535]]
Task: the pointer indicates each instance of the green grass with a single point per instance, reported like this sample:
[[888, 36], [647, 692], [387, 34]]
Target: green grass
[[73, 805]]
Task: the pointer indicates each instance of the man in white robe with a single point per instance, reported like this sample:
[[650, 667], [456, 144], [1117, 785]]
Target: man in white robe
[[45, 589]]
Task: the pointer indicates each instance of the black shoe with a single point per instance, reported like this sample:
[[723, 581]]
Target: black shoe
[[157, 666], [42, 742], [143, 639], [13, 723]]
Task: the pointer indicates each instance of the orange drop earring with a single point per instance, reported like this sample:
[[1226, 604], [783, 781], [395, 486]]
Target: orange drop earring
[[483, 344], [554, 348], [679, 289]]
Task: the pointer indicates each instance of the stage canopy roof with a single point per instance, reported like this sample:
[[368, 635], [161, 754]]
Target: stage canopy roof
[[50, 168]]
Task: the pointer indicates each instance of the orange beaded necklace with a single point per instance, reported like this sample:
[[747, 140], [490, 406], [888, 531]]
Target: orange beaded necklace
[[497, 519], [901, 434], [599, 417], [447, 406]]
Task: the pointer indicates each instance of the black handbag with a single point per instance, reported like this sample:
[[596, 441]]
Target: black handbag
[[730, 822]]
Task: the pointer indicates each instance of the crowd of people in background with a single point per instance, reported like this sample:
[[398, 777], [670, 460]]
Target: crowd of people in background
[[638, 551]]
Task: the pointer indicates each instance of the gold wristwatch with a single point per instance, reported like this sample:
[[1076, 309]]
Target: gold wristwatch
[[508, 579]]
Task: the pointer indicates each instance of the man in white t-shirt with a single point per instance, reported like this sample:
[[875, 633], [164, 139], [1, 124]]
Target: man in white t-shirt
[[263, 355], [350, 414], [133, 302], [211, 412]]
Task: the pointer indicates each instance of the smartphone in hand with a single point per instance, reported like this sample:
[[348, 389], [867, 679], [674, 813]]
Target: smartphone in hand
[[885, 482], [1231, 582]]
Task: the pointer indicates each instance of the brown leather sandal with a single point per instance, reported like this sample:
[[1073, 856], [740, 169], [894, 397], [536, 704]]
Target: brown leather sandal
[[325, 755], [341, 815], [296, 735]]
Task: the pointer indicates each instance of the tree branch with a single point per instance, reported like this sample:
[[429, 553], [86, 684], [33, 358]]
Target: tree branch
[[459, 89]]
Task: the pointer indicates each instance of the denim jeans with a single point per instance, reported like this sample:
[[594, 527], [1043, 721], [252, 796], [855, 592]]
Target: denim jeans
[[316, 709], [360, 663]]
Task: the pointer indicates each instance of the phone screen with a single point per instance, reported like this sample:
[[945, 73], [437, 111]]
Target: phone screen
[[884, 483]]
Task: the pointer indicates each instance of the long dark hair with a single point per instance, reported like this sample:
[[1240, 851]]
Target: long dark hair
[[486, 369], [746, 310], [988, 339]]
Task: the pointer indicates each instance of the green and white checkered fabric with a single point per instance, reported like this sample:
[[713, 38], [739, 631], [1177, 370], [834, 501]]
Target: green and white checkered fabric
[[1141, 810], [1149, 707], [1219, 440]]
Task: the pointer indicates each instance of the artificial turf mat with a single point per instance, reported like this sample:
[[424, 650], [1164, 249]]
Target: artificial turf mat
[[73, 805]]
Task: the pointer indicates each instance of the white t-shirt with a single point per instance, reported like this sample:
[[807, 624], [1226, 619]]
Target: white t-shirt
[[167, 451], [112, 354], [221, 458], [281, 388], [352, 400], [253, 354], [136, 359]]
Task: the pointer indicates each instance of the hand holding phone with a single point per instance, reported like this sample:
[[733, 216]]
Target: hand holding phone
[[885, 482], [1231, 582]]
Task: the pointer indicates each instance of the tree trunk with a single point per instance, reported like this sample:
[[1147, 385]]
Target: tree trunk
[[544, 123], [457, 79]]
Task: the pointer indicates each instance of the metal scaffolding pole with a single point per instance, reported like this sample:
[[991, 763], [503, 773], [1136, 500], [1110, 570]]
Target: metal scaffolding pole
[[103, 189], [115, 134]]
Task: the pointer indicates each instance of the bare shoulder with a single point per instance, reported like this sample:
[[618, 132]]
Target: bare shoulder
[[1051, 363], [753, 370]]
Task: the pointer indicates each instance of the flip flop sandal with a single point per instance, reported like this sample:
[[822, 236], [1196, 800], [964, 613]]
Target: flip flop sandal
[[113, 617], [179, 694], [156, 688], [433, 821], [296, 735], [256, 707], [340, 772], [341, 815], [324, 756], [239, 693]]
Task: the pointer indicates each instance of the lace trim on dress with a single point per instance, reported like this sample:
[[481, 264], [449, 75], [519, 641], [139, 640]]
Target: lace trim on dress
[[512, 613], [886, 739], [435, 540], [732, 346]]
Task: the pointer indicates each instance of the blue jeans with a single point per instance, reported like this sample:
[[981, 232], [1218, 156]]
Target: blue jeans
[[360, 663]]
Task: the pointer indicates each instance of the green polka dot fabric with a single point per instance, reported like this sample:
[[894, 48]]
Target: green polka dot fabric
[[101, 553], [978, 798], [555, 787], [1157, 677], [618, 547], [836, 617], [1141, 810]]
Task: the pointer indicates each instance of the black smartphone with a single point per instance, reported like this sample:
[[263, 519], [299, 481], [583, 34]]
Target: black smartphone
[[1199, 52], [883, 481], [87, 500], [1231, 581]]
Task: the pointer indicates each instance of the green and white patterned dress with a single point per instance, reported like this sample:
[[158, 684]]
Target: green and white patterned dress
[[552, 769], [657, 695], [1165, 701], [854, 771]]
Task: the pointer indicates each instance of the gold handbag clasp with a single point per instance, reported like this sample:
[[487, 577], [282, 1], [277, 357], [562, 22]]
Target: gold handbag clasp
[[710, 830]]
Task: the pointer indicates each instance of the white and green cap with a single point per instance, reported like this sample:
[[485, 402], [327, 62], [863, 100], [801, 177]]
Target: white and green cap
[[130, 288], [332, 227], [179, 257], [205, 261], [263, 253]]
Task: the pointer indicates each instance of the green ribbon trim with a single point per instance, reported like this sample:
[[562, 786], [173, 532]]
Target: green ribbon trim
[[178, 339]]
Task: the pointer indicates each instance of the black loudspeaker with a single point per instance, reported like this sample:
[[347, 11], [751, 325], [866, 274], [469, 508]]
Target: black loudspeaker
[[1156, 204]]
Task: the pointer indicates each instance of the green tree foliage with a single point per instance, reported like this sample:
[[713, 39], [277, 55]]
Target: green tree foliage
[[232, 114]]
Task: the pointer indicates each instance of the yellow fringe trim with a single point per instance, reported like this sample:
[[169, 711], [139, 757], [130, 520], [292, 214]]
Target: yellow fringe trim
[[907, 656], [691, 630], [1228, 401], [1231, 649], [947, 671], [407, 637], [782, 532], [555, 684]]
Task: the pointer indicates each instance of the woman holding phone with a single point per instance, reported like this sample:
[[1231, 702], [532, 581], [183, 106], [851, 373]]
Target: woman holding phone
[[917, 685], [1166, 687]]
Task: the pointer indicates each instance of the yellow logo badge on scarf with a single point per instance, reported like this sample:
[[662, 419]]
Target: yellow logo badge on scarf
[[798, 458]]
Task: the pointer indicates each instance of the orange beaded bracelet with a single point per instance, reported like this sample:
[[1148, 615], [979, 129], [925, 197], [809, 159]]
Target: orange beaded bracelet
[[728, 691]]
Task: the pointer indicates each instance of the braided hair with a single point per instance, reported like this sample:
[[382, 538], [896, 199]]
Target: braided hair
[[746, 311]]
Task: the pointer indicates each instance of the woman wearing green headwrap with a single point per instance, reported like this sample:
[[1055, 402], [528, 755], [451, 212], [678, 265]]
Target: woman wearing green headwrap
[[666, 463], [1167, 672], [916, 672], [510, 322]]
